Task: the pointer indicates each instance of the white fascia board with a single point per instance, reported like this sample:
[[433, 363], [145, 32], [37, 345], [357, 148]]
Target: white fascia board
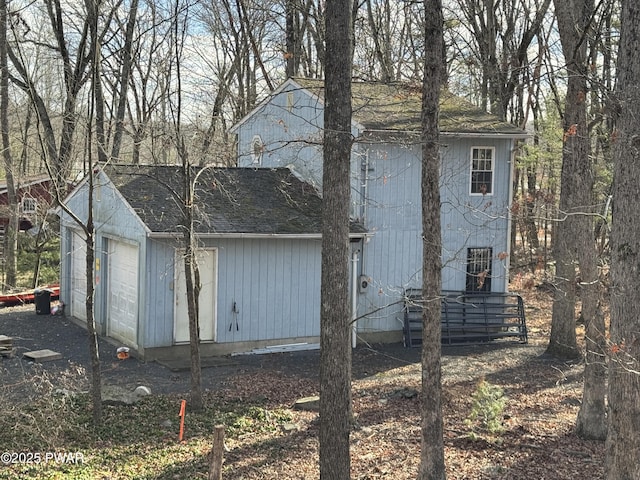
[[516, 136], [284, 236]]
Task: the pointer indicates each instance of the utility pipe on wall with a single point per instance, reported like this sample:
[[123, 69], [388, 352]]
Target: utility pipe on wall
[[354, 298]]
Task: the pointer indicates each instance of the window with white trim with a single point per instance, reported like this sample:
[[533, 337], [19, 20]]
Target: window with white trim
[[482, 164], [29, 205]]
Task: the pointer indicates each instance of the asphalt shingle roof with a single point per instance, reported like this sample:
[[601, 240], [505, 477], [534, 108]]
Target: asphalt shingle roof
[[396, 107], [228, 200]]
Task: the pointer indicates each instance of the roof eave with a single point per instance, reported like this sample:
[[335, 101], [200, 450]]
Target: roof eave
[[385, 135], [240, 235]]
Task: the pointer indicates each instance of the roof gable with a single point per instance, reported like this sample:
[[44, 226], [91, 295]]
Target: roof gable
[[396, 108]]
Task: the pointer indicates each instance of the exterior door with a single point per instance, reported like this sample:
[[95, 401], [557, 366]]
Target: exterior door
[[122, 296], [208, 265]]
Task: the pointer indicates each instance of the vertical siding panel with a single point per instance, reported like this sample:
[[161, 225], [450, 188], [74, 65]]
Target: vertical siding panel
[[226, 284], [299, 316], [282, 283], [266, 255], [314, 293]]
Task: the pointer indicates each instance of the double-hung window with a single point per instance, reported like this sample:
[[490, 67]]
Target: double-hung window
[[29, 205], [482, 165]]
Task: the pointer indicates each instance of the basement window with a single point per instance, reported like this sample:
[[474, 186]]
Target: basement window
[[479, 269]]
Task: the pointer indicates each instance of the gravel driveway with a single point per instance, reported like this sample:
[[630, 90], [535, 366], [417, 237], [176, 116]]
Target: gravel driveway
[[21, 378]]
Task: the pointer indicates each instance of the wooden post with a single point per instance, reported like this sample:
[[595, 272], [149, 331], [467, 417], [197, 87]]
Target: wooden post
[[215, 468]]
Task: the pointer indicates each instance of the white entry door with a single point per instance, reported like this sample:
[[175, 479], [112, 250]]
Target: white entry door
[[122, 297], [78, 272], [208, 265]]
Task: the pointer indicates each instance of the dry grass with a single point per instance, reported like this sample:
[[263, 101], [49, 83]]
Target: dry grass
[[536, 439]]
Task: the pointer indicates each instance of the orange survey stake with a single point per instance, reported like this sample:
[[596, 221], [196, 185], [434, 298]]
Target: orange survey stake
[[183, 406]]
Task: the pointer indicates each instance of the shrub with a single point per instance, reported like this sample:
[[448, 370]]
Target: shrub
[[487, 407]]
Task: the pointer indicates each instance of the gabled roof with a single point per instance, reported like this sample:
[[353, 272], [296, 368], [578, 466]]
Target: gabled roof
[[26, 182], [395, 108], [228, 200]]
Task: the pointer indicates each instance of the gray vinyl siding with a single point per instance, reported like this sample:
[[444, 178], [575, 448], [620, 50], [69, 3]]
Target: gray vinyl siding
[[291, 137], [160, 301], [385, 193], [113, 221], [274, 283], [393, 255]]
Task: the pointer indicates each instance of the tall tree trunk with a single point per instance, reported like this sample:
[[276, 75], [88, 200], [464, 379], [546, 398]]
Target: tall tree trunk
[[432, 453], [623, 441], [335, 329], [11, 232], [576, 180], [291, 54], [125, 74], [592, 422]]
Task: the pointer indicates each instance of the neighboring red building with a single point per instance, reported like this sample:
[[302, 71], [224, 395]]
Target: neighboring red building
[[34, 196]]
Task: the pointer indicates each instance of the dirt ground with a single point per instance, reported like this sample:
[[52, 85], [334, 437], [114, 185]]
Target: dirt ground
[[543, 397], [31, 331]]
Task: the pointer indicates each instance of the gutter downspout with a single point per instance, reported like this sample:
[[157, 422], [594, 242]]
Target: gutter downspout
[[354, 298]]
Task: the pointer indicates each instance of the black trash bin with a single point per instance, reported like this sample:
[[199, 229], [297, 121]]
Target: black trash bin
[[42, 298]]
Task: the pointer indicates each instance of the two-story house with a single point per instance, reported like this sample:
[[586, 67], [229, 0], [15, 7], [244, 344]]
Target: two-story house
[[259, 226], [477, 158]]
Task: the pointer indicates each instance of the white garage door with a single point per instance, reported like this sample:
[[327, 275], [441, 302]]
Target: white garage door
[[207, 263], [122, 308], [78, 287]]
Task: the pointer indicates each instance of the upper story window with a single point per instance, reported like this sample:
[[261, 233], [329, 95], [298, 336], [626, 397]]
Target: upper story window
[[257, 149], [482, 165], [29, 205]]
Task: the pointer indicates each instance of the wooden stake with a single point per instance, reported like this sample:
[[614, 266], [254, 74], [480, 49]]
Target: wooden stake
[[183, 406], [215, 468]]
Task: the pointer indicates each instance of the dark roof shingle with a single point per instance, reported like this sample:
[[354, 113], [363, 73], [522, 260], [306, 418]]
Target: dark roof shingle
[[228, 200]]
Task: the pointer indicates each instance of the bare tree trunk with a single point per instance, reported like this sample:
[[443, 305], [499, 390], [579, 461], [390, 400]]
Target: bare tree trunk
[[291, 54], [192, 275], [432, 453], [335, 329], [623, 441], [127, 61], [592, 422], [192, 278], [11, 232], [92, 333], [576, 180]]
